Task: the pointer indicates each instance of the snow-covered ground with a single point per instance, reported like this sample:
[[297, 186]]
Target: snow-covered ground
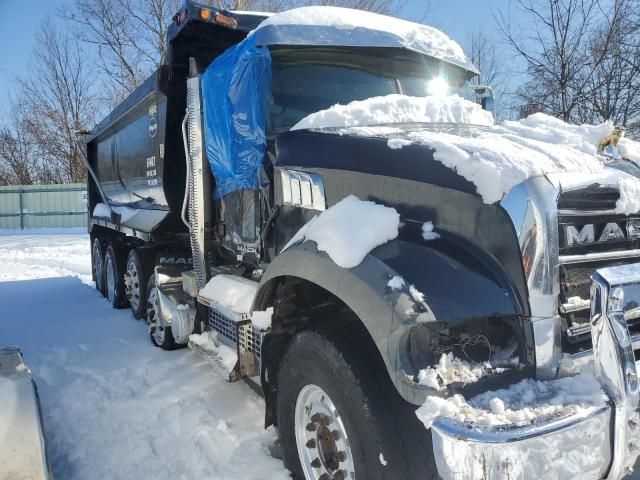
[[115, 407]]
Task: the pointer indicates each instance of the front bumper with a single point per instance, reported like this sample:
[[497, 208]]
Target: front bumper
[[600, 442]]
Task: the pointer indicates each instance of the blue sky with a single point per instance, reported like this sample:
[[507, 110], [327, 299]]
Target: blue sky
[[18, 27]]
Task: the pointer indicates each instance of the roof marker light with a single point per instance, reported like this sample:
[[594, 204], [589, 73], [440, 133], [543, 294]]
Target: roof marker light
[[205, 14], [226, 21]]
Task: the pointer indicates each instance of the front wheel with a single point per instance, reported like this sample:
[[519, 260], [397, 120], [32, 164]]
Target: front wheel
[[340, 417], [160, 336]]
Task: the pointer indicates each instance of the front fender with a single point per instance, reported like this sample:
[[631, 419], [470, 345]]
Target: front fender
[[456, 288]]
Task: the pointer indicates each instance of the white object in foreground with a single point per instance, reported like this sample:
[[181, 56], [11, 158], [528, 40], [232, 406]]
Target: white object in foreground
[[350, 229], [398, 109]]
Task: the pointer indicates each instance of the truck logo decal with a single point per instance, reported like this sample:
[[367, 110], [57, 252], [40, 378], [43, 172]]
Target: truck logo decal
[[598, 233]]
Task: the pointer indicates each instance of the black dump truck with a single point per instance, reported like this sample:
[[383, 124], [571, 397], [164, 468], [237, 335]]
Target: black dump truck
[[199, 185]]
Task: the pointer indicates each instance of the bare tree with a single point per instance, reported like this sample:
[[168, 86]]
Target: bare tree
[[18, 151], [560, 56], [58, 98], [128, 36]]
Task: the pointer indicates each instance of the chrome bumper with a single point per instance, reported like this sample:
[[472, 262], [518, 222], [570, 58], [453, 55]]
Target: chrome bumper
[[602, 442]]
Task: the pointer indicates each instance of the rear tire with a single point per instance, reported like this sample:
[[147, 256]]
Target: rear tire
[[114, 278], [160, 336], [324, 373], [136, 280], [97, 265]]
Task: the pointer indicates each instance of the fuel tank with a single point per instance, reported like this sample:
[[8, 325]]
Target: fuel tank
[[138, 155]]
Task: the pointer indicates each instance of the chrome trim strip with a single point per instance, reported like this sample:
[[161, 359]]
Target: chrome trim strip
[[594, 257]]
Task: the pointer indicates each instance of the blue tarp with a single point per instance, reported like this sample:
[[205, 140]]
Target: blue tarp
[[235, 93]]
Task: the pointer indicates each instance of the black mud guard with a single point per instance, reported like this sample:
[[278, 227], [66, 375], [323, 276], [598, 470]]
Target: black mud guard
[[454, 290]]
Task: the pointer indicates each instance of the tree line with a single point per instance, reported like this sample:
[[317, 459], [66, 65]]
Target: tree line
[[581, 60]]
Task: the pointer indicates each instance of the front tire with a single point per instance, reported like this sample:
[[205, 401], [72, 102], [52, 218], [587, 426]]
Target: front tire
[[160, 336], [340, 417], [114, 278]]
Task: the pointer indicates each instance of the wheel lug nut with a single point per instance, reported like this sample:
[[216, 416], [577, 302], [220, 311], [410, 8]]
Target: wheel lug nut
[[316, 417], [324, 476], [336, 435], [311, 443], [311, 427], [316, 463], [339, 475], [341, 456]]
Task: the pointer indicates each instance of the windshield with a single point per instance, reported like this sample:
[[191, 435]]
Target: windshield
[[309, 79]]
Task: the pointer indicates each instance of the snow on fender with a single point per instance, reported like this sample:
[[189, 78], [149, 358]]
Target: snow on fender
[[349, 230]]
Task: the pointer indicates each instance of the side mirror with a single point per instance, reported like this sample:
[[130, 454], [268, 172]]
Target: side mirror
[[487, 98], [489, 104]]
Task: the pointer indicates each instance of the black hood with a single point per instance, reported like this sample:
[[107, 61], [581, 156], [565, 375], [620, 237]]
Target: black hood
[[408, 179], [334, 149]]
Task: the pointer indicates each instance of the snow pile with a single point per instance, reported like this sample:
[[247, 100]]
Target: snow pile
[[232, 292], [398, 109], [398, 143], [208, 345], [451, 369], [350, 229], [629, 201], [428, 233], [410, 35], [630, 150], [520, 403], [396, 283], [499, 158], [262, 320], [29, 256], [102, 211]]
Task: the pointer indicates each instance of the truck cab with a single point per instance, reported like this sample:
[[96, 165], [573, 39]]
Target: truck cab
[[320, 202]]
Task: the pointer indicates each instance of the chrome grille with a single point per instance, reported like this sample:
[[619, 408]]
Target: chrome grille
[[588, 206]]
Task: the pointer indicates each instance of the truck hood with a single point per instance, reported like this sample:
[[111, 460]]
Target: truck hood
[[497, 158]]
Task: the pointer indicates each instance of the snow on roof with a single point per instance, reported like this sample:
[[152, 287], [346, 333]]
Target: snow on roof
[[323, 25], [398, 109]]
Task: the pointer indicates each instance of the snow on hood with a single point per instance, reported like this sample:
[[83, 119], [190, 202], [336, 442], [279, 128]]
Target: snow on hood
[[398, 109], [496, 158], [357, 27]]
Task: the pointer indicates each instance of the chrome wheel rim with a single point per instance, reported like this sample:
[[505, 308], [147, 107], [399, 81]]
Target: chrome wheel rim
[[132, 285], [153, 317], [111, 280], [97, 266], [321, 438]]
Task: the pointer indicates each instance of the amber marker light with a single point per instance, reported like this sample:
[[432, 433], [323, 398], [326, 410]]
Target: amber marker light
[[205, 14], [226, 21]]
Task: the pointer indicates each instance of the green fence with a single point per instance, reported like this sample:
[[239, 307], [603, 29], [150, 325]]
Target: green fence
[[42, 206]]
